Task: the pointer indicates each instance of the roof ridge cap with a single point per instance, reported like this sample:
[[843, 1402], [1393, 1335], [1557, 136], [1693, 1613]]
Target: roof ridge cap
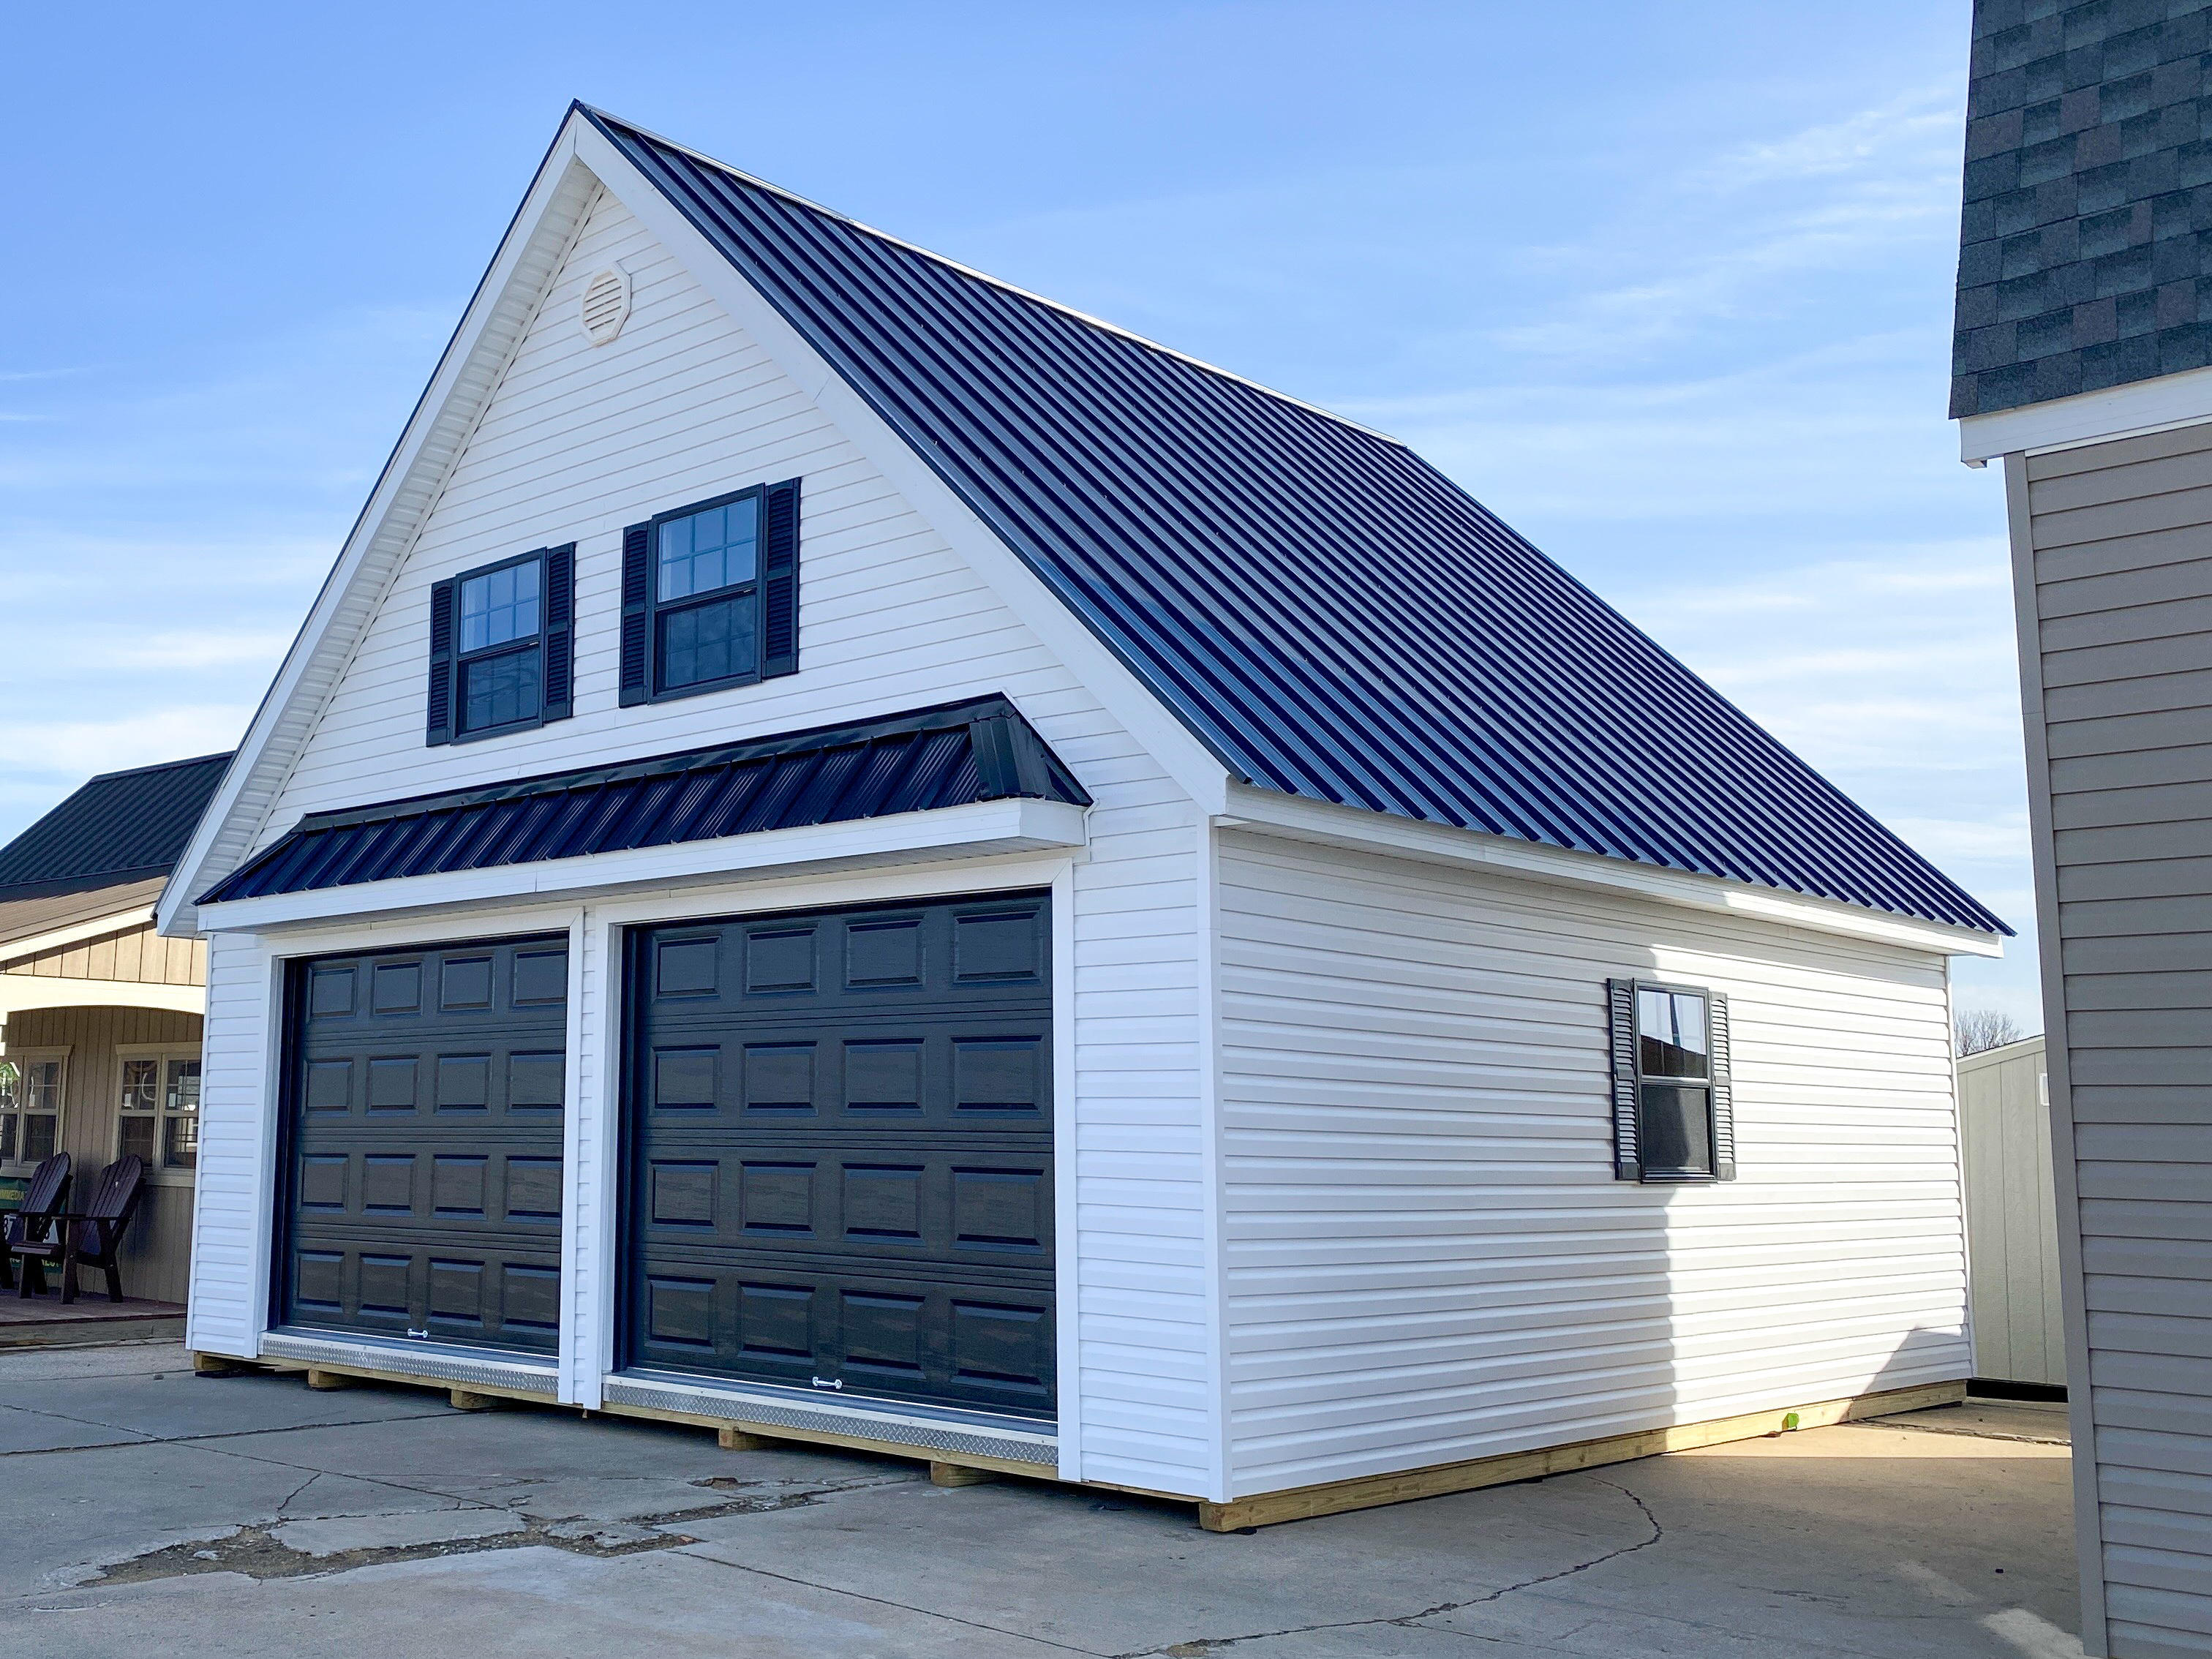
[[159, 766], [1000, 283]]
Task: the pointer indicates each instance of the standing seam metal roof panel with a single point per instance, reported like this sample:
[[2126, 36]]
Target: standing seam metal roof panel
[[1330, 614], [911, 763]]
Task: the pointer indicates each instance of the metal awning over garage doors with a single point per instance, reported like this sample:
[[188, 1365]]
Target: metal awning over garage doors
[[839, 1133], [422, 1143]]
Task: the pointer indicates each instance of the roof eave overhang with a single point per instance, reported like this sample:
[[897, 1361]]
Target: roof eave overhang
[[987, 828], [1300, 819]]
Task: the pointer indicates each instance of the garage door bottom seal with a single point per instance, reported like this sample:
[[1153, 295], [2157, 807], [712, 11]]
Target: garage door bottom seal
[[975, 1434], [440, 1362]]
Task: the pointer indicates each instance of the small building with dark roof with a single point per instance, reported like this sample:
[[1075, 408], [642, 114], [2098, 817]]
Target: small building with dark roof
[[850, 852], [101, 1014]]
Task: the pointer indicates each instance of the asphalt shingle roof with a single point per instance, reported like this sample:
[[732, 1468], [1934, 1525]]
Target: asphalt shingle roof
[[1330, 613]]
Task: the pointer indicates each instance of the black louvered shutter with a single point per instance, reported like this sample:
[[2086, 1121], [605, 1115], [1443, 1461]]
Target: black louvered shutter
[[1620, 1004], [439, 720], [1724, 1094], [780, 582], [637, 573], [560, 632]]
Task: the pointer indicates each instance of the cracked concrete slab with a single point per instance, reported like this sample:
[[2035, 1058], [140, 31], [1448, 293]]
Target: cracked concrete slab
[[498, 1531], [342, 1534], [1129, 1576]]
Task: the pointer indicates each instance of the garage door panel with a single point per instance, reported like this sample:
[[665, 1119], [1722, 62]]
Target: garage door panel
[[842, 1150], [792, 1319], [942, 1070], [985, 1202], [425, 1143]]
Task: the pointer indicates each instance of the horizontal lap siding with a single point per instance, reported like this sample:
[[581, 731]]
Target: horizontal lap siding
[[2121, 536], [1428, 1258], [580, 441]]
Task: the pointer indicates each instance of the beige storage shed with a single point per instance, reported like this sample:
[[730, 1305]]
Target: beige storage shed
[[2012, 1228]]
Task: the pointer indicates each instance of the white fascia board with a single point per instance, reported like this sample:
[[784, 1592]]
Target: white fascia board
[[499, 314], [1193, 766], [77, 932], [19, 991], [2089, 417], [1354, 826], [981, 829]]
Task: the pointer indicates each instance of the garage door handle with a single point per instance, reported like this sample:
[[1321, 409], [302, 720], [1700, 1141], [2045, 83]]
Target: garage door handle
[[826, 1383]]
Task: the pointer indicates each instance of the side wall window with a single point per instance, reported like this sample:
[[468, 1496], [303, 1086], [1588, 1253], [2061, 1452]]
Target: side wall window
[[31, 1104], [710, 595], [158, 1115], [502, 647], [1673, 1111]]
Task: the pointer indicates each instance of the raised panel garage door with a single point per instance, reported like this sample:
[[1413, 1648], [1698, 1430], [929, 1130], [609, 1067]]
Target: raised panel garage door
[[840, 1143], [423, 1143]]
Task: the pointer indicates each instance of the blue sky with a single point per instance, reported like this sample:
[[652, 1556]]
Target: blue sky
[[1667, 286]]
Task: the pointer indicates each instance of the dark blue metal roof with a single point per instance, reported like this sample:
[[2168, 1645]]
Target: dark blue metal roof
[[949, 756], [1330, 614], [119, 827]]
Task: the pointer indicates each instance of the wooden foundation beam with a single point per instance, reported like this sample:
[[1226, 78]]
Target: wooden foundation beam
[[1372, 1492], [320, 1378], [468, 1399], [220, 1365], [736, 1439], [958, 1474]]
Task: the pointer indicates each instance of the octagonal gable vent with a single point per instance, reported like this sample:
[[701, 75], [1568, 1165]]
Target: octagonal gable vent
[[606, 305]]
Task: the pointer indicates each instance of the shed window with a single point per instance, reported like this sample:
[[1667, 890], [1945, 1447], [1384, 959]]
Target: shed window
[[30, 1107], [501, 647], [1673, 1106], [710, 594], [159, 1115]]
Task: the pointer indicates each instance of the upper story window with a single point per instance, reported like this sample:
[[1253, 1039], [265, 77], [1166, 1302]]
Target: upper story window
[[706, 620], [710, 594], [501, 647], [1674, 1118]]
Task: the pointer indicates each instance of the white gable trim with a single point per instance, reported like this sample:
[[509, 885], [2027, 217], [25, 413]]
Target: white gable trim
[[1194, 767], [498, 315], [99, 926], [578, 165]]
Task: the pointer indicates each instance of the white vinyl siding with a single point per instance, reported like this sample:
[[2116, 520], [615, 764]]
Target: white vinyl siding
[[1428, 1258], [579, 441]]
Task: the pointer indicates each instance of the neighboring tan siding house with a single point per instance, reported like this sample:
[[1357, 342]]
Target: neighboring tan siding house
[[100, 1014], [849, 852], [2084, 313]]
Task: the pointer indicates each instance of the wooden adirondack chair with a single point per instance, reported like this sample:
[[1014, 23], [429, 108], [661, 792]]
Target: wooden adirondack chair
[[32, 1224], [90, 1237]]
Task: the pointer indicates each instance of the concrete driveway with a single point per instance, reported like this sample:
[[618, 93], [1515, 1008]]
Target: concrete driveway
[[149, 1511]]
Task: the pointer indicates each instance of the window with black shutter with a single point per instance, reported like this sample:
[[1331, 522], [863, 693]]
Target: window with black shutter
[[503, 651], [1673, 1102], [710, 594]]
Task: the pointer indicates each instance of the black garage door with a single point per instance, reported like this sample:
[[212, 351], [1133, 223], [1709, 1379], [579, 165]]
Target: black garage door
[[422, 1150], [840, 1134]]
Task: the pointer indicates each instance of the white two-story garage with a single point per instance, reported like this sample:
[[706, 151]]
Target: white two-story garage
[[852, 853]]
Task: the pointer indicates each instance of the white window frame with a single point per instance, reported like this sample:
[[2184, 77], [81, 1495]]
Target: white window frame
[[159, 1172], [23, 1056]]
